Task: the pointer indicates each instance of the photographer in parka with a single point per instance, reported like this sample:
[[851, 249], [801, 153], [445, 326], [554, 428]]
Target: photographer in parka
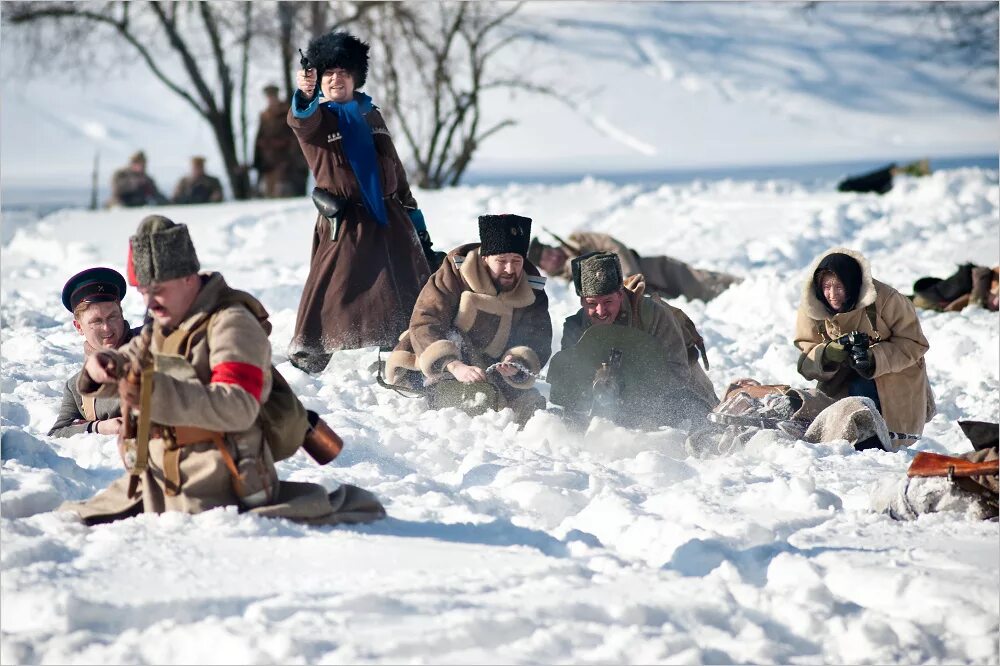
[[861, 337]]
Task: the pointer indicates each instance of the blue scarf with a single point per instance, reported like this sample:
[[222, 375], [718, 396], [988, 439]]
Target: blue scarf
[[359, 146]]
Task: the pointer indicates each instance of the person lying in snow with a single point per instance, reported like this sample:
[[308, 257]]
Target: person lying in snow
[[657, 378], [945, 483], [480, 331], [201, 438], [969, 285], [861, 337], [665, 277], [880, 181]]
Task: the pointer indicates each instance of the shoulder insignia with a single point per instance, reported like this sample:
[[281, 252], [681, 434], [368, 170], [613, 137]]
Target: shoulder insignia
[[381, 130], [537, 282]]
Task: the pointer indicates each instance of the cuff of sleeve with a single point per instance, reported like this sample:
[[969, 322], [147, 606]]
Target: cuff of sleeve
[[303, 108], [417, 218], [529, 359], [437, 355]]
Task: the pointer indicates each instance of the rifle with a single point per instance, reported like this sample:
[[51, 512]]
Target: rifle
[[561, 241], [133, 437], [933, 464]]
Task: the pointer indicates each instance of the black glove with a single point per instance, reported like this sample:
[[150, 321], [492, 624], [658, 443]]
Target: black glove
[[434, 259], [864, 364]]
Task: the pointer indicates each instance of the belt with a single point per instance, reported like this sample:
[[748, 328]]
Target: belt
[[177, 437]]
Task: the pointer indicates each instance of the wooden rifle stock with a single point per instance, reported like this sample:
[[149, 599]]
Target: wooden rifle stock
[[933, 464]]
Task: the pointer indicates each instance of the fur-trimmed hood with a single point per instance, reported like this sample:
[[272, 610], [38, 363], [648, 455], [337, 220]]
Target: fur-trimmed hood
[[814, 307]]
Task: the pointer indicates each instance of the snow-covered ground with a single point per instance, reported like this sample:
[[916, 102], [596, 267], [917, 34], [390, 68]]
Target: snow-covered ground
[[538, 545]]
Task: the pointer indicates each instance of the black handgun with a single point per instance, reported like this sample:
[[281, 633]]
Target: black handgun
[[306, 65]]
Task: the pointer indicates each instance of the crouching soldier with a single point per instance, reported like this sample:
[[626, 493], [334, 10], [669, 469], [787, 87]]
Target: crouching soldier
[[94, 296], [200, 440], [480, 331], [627, 356]]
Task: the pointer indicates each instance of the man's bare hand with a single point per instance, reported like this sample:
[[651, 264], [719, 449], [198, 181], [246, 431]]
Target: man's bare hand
[[109, 426], [466, 373], [305, 79], [102, 367]]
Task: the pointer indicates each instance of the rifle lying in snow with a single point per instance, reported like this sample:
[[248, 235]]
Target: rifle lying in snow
[[933, 464]]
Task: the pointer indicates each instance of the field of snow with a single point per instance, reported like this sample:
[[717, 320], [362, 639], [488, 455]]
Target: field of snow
[[538, 545]]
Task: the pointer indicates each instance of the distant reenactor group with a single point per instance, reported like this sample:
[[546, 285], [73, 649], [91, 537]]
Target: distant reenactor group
[[202, 415]]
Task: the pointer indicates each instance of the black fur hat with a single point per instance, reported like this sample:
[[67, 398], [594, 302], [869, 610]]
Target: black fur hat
[[340, 49], [499, 234]]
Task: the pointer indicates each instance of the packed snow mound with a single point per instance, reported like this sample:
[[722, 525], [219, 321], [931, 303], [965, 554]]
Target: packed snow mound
[[532, 545]]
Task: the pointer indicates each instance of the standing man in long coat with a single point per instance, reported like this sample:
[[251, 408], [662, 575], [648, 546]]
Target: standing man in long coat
[[281, 168], [367, 264]]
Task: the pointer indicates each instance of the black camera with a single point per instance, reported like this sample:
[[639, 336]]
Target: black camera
[[857, 343]]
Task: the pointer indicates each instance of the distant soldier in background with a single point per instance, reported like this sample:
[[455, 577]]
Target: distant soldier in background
[[664, 276], [282, 169], [880, 181], [131, 186], [94, 297], [198, 187]]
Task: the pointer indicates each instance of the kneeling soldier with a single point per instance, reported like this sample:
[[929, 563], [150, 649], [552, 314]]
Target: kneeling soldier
[[94, 296], [482, 319], [645, 349], [201, 440]]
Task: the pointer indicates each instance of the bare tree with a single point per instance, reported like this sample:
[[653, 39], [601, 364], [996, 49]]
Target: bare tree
[[433, 63], [204, 37]]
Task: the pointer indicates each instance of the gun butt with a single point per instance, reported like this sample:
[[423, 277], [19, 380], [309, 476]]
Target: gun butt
[[933, 464]]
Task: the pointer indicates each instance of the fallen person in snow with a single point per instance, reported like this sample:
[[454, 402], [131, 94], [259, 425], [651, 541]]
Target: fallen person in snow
[[205, 434], [969, 285], [967, 483], [861, 337], [480, 331], [94, 296], [626, 356], [880, 181], [665, 276], [797, 413]]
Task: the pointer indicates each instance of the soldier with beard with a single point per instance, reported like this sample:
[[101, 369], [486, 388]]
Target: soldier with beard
[[482, 320]]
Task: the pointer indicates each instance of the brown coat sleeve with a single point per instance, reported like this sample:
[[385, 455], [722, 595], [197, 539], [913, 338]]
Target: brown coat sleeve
[[812, 344], [906, 343], [530, 342], [431, 321], [234, 336]]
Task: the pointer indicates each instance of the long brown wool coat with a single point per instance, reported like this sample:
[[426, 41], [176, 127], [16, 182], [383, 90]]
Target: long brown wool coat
[[361, 288], [900, 372], [461, 316]]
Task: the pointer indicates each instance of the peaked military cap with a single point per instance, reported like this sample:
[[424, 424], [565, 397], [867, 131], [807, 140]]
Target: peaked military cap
[[94, 285], [499, 234], [160, 250], [597, 274]]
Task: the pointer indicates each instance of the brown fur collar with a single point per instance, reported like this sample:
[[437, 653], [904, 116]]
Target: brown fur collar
[[814, 308]]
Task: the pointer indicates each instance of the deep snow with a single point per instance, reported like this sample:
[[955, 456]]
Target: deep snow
[[538, 545]]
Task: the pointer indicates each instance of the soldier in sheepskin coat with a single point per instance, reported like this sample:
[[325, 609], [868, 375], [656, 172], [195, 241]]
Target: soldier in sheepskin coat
[[840, 296]]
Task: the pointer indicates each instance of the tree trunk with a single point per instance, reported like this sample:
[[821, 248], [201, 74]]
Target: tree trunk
[[239, 179]]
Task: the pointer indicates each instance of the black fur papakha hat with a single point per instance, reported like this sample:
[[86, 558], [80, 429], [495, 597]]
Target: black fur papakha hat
[[499, 234], [161, 250], [597, 274], [94, 285], [340, 49]]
